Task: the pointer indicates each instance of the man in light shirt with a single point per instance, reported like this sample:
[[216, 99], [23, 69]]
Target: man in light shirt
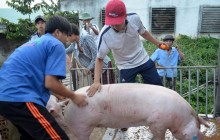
[[121, 35], [40, 23]]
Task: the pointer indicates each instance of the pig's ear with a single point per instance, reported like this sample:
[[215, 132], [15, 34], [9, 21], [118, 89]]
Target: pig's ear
[[64, 103]]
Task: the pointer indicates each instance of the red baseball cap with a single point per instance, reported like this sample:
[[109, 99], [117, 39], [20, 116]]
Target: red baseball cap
[[115, 12]]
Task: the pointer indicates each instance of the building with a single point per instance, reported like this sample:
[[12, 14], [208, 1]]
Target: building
[[188, 17]]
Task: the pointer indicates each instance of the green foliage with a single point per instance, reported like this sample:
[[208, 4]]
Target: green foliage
[[201, 51], [23, 6], [69, 15], [54, 9], [20, 31], [202, 48], [24, 28], [50, 9]]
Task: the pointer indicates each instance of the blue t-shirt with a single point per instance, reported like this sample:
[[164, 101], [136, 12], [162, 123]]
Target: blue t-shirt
[[22, 76], [165, 60]]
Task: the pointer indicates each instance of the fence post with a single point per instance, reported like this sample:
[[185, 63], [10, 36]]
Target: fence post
[[217, 101]]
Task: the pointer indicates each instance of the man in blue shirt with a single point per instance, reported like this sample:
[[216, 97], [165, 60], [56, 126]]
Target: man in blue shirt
[[168, 58], [28, 76]]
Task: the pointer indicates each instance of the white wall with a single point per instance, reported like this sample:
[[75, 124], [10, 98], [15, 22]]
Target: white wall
[[187, 12], [90, 6]]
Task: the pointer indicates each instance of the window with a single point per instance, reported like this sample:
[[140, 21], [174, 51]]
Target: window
[[210, 19], [103, 17], [162, 20]]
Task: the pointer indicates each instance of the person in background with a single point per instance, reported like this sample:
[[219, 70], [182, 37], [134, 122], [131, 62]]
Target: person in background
[[40, 23], [28, 77], [168, 58], [85, 51], [88, 27], [121, 35]]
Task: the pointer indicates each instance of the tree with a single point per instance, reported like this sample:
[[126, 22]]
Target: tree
[[27, 7], [24, 6], [50, 9]]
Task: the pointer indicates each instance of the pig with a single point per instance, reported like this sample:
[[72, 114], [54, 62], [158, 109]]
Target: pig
[[129, 105], [56, 110]]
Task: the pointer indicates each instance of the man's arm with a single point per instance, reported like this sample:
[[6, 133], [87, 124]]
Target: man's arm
[[96, 85], [146, 35], [180, 53], [94, 28], [53, 84], [70, 48]]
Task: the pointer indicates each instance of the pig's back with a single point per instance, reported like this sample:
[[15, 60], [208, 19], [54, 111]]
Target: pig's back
[[133, 102], [134, 93]]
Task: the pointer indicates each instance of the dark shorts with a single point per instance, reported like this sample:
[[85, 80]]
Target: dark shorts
[[147, 70], [33, 121]]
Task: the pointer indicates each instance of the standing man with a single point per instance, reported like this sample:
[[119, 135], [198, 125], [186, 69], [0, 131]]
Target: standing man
[[85, 51], [88, 27], [168, 58], [28, 76], [121, 36], [40, 23]]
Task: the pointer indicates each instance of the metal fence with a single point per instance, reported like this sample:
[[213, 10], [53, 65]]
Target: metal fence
[[197, 84]]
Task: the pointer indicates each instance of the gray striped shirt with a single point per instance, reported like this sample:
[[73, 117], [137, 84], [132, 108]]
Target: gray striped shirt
[[88, 56]]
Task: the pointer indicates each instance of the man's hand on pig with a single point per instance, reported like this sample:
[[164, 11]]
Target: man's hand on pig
[[96, 86], [79, 100]]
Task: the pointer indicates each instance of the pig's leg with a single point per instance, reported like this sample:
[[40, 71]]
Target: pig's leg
[[158, 131], [156, 125], [82, 132], [158, 135]]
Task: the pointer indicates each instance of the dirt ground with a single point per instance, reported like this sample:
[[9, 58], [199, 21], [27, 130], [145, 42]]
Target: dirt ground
[[97, 134], [215, 136], [212, 133], [141, 133]]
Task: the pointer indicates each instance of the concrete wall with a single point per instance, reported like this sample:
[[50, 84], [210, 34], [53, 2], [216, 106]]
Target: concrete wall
[[7, 47], [187, 12]]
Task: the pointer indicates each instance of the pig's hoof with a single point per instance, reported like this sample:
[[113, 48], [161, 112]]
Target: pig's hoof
[[124, 129]]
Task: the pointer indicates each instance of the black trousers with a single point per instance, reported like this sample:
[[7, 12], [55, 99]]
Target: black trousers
[[33, 121]]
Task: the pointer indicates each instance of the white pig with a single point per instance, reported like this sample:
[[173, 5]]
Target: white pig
[[129, 105], [56, 110]]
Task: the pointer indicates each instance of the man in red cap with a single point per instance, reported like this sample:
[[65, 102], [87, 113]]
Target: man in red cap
[[121, 36]]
